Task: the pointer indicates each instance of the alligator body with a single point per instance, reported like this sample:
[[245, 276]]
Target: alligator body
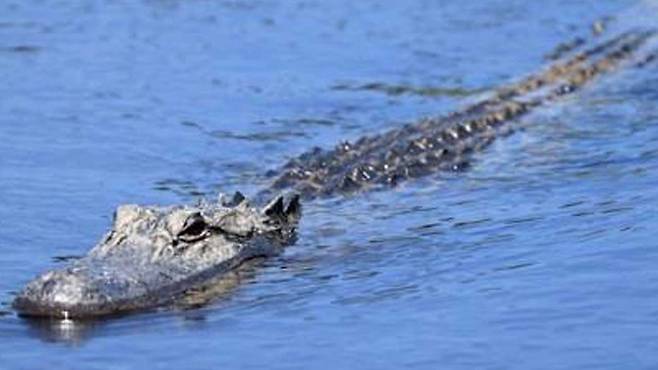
[[447, 143], [153, 255]]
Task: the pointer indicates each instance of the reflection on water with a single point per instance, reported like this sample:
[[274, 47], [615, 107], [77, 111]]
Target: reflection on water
[[65, 331], [545, 246], [395, 90]]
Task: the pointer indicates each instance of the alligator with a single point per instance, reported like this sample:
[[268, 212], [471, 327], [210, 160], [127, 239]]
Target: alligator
[[153, 255]]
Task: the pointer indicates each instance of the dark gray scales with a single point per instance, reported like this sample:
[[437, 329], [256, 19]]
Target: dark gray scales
[[446, 143]]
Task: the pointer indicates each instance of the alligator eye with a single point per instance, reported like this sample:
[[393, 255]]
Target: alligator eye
[[194, 226]]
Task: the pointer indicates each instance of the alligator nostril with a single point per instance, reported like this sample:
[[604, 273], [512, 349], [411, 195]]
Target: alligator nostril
[[48, 287]]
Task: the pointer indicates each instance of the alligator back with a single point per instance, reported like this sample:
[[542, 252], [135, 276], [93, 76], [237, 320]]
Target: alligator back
[[447, 143]]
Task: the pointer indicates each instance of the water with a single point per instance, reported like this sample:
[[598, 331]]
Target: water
[[542, 255]]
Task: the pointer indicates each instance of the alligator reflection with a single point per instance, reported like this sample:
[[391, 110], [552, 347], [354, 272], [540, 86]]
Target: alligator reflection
[[66, 331]]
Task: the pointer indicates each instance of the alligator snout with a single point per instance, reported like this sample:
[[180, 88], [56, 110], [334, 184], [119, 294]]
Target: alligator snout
[[60, 293]]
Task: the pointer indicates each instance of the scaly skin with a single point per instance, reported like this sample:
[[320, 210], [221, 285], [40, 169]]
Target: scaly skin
[[153, 255], [447, 143]]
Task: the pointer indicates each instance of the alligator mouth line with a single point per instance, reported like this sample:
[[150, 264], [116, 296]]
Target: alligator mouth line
[[153, 255]]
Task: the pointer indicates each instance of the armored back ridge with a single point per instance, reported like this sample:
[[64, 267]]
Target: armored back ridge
[[447, 143], [153, 255]]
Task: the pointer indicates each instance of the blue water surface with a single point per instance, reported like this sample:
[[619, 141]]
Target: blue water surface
[[541, 256]]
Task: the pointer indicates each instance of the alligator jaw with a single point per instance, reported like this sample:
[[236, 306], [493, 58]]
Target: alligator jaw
[[153, 255]]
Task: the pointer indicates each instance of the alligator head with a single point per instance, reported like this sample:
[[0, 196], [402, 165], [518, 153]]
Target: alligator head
[[154, 254]]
